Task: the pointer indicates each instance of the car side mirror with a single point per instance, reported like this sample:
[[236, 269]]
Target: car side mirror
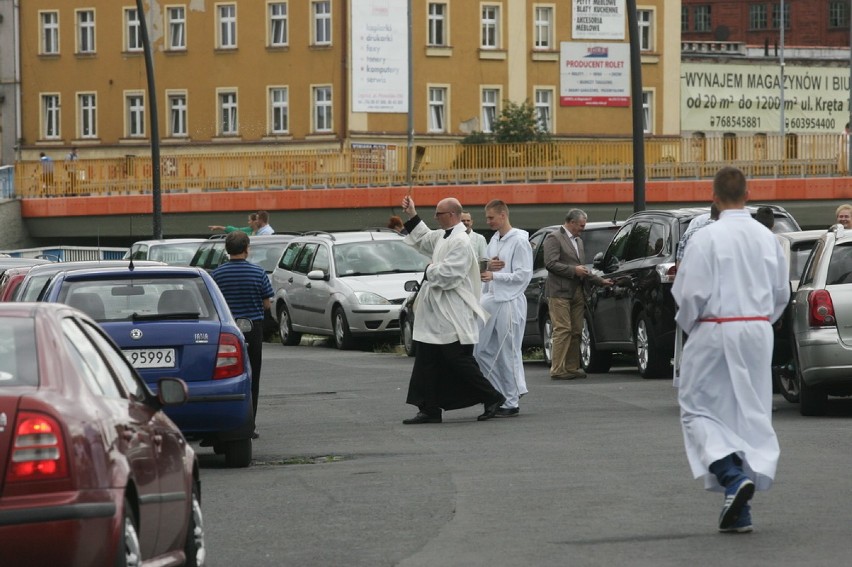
[[172, 392], [597, 261], [317, 275], [412, 285]]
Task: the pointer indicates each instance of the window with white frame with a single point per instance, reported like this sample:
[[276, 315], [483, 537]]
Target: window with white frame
[[279, 110], [757, 17], [838, 14], [177, 115], [322, 109], [437, 22], [277, 24], [85, 31], [490, 38], [701, 19], [437, 109], [226, 16], [543, 27], [176, 17], [490, 98], [135, 115], [228, 125], [645, 19], [321, 14], [49, 33], [684, 18], [648, 112], [132, 30], [50, 117], [87, 112], [544, 109]]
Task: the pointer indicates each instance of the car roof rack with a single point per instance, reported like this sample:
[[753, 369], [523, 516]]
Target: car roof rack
[[319, 233]]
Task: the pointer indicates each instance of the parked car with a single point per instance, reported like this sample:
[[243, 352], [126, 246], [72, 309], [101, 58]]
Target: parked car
[[636, 315], [93, 472], [8, 263], [172, 251], [346, 285], [10, 280], [822, 323], [797, 248], [173, 321], [265, 251], [38, 277]]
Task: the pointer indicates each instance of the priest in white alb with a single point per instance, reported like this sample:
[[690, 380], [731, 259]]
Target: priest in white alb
[[731, 286], [499, 351]]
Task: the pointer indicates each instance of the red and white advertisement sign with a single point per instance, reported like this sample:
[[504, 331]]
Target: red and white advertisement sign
[[594, 74]]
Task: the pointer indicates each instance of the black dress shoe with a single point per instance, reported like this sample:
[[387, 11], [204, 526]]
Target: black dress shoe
[[491, 409], [422, 418], [507, 412]]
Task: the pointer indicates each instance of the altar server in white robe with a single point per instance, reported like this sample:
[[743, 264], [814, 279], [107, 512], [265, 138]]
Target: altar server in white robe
[[730, 288], [499, 351]]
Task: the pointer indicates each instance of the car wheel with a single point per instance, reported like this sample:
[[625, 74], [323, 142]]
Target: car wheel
[[591, 358], [342, 336], [811, 400], [547, 339], [285, 328], [238, 453], [195, 548], [129, 551], [788, 383], [649, 360], [408, 337]]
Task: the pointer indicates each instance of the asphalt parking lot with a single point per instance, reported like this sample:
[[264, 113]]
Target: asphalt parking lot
[[592, 472]]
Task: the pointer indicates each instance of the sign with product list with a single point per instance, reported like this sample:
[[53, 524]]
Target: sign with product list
[[379, 56], [594, 74], [598, 19]]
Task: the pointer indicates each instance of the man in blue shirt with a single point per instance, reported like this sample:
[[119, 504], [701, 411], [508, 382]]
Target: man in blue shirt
[[247, 290]]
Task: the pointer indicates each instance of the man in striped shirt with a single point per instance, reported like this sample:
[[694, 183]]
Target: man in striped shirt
[[247, 290]]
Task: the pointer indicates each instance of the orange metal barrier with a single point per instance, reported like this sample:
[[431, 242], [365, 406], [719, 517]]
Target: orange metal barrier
[[382, 165]]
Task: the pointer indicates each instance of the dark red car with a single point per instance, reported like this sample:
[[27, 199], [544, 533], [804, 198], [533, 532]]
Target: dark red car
[[92, 472]]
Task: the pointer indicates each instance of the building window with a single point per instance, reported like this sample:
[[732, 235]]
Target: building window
[[776, 16], [437, 109], [543, 27], [757, 17], [132, 30], [490, 97], [278, 24], [544, 108], [177, 27], [177, 115], [279, 110], [87, 110], [437, 17], [85, 31], [135, 105], [702, 19], [490, 38], [646, 29], [228, 125], [50, 117], [838, 14], [49, 33], [227, 26], [321, 13], [322, 109], [648, 112], [684, 19]]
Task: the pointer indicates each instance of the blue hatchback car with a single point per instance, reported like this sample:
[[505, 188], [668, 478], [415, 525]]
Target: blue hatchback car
[[173, 322]]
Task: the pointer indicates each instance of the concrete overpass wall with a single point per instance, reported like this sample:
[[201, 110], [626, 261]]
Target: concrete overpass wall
[[13, 231]]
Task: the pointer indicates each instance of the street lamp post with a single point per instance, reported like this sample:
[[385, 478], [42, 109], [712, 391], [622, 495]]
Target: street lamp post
[[154, 120], [638, 111]]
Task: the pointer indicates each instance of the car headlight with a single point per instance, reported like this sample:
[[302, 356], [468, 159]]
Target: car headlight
[[370, 298]]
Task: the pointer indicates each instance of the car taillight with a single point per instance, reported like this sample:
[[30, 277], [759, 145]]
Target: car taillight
[[229, 359], [820, 309], [667, 272], [38, 450]]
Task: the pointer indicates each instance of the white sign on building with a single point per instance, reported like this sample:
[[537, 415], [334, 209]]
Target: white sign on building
[[598, 19], [594, 74], [729, 97], [379, 56]]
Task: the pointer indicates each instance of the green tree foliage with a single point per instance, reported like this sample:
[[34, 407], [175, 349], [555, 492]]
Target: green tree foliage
[[518, 123]]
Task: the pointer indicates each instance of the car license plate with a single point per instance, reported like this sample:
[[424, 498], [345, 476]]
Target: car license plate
[[151, 357]]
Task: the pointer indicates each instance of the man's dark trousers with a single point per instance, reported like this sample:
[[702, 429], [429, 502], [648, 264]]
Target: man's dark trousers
[[254, 343]]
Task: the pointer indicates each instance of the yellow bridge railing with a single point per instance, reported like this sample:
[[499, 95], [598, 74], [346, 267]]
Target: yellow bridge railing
[[381, 165]]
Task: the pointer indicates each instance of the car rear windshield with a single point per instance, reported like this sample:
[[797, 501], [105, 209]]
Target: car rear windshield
[[18, 362], [840, 265], [377, 257], [140, 298], [798, 256]]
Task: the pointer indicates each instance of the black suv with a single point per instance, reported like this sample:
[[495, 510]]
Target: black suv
[[636, 315]]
